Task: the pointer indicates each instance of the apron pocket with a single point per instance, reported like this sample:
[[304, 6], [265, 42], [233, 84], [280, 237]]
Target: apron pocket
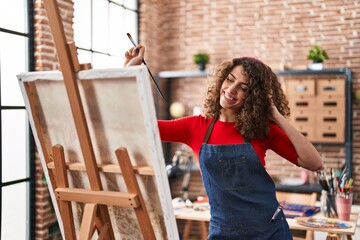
[[234, 173]]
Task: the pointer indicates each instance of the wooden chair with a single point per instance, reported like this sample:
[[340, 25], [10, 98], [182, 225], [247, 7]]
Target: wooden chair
[[299, 198]]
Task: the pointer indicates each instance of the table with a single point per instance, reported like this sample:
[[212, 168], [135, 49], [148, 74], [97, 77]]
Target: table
[[332, 233], [189, 214]]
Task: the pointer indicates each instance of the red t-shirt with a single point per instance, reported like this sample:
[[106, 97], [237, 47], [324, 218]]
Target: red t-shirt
[[191, 131]]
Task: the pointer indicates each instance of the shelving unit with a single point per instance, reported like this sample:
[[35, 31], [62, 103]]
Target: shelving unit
[[346, 72]]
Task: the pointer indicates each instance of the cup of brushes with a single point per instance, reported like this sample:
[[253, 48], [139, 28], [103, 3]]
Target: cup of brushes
[[336, 194]]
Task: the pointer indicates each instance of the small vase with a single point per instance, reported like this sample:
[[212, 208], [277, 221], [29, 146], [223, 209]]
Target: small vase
[[202, 66]]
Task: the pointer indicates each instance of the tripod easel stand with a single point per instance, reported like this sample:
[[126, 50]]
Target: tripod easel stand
[[96, 215]]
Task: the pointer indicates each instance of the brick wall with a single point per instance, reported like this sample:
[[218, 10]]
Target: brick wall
[[46, 59], [279, 32], [153, 38]]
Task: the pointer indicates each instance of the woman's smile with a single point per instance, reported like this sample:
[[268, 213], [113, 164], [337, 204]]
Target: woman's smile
[[229, 97]]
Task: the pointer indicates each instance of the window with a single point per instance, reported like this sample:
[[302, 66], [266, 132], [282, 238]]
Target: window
[[100, 28], [16, 148]]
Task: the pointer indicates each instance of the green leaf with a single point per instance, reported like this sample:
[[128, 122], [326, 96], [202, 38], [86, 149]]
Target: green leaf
[[317, 54], [201, 57]]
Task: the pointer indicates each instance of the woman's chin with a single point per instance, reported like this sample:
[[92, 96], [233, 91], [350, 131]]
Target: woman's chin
[[225, 103]]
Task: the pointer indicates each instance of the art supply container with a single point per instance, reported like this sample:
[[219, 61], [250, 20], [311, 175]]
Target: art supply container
[[343, 205], [328, 204]]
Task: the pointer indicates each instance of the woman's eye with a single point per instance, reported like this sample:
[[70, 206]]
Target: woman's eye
[[243, 87], [229, 79]]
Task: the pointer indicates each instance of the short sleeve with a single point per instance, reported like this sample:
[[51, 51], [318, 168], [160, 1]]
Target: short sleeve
[[280, 143]]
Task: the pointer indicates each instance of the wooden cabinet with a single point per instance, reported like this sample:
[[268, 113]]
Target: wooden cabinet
[[321, 105], [318, 108]]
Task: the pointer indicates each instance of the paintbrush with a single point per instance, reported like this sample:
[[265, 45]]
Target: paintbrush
[[143, 61]]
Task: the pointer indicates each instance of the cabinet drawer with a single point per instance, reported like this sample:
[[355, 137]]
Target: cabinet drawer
[[297, 103], [330, 133], [300, 87], [330, 102], [303, 117], [330, 87], [304, 122], [330, 126], [307, 130]]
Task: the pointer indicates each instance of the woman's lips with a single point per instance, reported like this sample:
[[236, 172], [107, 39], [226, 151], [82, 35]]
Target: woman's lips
[[229, 96]]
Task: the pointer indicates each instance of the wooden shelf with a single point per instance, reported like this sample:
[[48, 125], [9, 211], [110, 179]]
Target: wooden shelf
[[181, 74]]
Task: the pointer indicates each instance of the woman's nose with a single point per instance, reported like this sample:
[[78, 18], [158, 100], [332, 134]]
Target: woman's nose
[[232, 88]]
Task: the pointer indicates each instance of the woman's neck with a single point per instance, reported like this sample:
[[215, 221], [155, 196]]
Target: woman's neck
[[227, 115]]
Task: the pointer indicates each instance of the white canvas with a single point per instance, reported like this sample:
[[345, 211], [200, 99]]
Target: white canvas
[[119, 111]]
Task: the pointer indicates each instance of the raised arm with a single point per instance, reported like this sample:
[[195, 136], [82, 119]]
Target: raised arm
[[308, 156]]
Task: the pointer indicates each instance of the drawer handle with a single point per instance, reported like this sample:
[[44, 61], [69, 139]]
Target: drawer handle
[[329, 88], [300, 88], [329, 135], [330, 104], [301, 119], [302, 104], [329, 119]]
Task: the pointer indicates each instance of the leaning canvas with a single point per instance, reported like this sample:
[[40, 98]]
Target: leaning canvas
[[119, 110]]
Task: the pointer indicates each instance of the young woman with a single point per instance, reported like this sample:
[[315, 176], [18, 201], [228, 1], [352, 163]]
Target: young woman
[[244, 115]]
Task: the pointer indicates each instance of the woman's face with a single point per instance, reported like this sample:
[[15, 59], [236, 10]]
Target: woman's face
[[233, 88]]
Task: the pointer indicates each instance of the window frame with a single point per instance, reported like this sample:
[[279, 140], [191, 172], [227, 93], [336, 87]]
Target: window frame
[[93, 52], [30, 144]]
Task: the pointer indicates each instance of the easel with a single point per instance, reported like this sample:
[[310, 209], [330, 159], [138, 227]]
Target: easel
[[96, 215]]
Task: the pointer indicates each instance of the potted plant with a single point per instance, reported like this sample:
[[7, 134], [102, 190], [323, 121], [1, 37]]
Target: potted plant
[[317, 55], [201, 59]]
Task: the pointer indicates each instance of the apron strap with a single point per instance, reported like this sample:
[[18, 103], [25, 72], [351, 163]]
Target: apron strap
[[210, 128]]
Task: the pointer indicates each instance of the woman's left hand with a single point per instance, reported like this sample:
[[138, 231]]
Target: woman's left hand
[[275, 114]]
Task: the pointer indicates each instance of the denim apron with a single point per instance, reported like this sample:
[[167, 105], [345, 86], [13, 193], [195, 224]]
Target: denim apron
[[241, 194]]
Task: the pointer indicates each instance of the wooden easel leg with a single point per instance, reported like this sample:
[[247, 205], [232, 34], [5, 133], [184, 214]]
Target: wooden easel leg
[[104, 232], [88, 221], [69, 65], [62, 181], [104, 218], [127, 171]]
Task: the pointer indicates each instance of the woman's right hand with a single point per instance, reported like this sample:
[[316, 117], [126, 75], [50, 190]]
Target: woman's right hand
[[134, 56]]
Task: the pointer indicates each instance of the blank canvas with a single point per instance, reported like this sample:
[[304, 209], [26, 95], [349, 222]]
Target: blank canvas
[[120, 112]]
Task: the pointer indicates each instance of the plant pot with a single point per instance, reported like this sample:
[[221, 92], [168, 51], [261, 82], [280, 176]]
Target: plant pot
[[202, 66], [316, 66]]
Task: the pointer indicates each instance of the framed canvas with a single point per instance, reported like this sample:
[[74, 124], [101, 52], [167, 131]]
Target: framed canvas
[[119, 110]]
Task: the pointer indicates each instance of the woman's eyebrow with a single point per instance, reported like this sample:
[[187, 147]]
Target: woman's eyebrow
[[232, 75], [242, 83]]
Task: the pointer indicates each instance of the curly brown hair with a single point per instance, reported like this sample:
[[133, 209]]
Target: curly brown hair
[[254, 115]]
